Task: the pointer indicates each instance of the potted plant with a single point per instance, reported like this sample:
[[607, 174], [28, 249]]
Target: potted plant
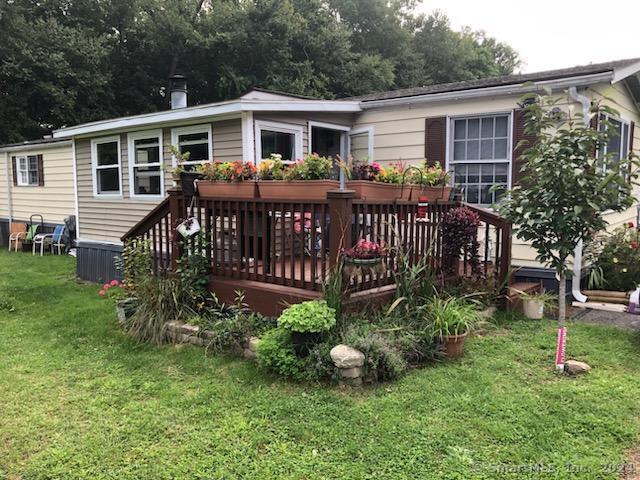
[[227, 179], [310, 178], [307, 321], [365, 254], [125, 304], [179, 174], [451, 321], [533, 304]]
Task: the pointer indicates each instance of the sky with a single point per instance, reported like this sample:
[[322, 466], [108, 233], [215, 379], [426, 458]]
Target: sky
[[552, 34]]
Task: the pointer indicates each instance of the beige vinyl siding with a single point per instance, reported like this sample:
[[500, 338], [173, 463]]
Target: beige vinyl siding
[[107, 219], [55, 200], [4, 188], [303, 119]]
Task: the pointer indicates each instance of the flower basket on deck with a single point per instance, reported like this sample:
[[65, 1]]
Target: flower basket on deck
[[365, 257]]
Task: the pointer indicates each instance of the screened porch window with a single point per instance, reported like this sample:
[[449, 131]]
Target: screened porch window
[[481, 156]]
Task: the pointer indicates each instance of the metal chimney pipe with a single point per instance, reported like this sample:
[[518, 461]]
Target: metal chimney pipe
[[178, 90]]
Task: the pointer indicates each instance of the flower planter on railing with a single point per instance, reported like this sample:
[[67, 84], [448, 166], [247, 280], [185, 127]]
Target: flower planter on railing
[[371, 190], [296, 189], [208, 188]]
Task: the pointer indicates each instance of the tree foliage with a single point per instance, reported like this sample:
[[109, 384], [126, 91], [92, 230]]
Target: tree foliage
[[71, 61], [567, 185]]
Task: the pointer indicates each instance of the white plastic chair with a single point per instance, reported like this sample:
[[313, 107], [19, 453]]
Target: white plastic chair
[[54, 239]]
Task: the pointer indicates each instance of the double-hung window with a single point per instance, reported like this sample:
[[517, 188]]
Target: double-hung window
[[27, 170], [197, 141], [617, 148], [105, 160], [278, 138], [480, 156], [145, 164]]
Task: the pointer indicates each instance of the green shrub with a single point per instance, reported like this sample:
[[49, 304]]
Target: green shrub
[[318, 364], [616, 257], [312, 316], [229, 328], [312, 167], [275, 353], [382, 360]]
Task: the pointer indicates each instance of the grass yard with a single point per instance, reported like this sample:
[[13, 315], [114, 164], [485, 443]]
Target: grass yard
[[79, 400]]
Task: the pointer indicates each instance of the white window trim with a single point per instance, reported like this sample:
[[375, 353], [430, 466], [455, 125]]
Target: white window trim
[[623, 123], [204, 128], [344, 143], [94, 166], [131, 150], [20, 183], [295, 130], [370, 135], [449, 162]]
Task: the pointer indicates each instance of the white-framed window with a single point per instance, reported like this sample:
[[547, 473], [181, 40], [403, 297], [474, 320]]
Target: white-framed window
[[106, 167], [617, 146], [195, 139], [360, 143], [146, 178], [480, 156], [328, 139], [27, 171], [281, 138]]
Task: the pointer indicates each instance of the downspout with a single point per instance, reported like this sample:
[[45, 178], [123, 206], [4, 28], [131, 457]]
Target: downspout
[[577, 254]]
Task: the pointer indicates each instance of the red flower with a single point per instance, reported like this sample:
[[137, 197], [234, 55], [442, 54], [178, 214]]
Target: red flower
[[114, 283], [634, 244], [630, 224]]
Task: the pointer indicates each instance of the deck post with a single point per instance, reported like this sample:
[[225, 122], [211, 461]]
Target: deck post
[[175, 214], [340, 215]]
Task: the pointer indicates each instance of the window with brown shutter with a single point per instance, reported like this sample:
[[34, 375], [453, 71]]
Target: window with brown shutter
[[14, 169], [435, 141], [521, 142], [27, 171], [40, 170]]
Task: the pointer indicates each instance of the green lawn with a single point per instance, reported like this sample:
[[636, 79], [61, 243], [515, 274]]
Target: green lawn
[[80, 400]]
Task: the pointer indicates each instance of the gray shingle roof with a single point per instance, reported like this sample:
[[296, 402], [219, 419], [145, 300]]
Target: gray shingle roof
[[497, 81]]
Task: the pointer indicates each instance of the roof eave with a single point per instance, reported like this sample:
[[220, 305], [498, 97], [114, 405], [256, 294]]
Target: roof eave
[[481, 92], [33, 146], [223, 110]]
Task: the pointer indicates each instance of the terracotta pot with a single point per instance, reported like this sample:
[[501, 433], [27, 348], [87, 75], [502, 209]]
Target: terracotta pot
[[225, 189], [533, 309], [296, 189], [453, 345]]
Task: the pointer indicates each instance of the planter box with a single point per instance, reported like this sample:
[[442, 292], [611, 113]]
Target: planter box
[[296, 189], [369, 190], [225, 189]]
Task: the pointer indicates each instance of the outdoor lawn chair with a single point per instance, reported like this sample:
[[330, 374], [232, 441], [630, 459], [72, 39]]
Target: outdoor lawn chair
[[18, 230], [53, 239]]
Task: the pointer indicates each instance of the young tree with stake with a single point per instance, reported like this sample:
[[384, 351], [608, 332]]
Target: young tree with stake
[[567, 184]]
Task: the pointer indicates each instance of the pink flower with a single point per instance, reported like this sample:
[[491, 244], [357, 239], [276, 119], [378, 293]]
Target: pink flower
[[114, 283], [106, 286], [102, 293], [630, 224]]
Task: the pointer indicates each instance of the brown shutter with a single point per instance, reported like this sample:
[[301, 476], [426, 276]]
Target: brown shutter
[[632, 127], [14, 167], [435, 140], [519, 135], [40, 171]]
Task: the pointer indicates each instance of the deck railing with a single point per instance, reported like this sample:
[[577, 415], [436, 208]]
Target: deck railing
[[296, 242]]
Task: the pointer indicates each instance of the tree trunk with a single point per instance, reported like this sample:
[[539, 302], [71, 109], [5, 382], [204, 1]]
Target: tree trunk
[[562, 300]]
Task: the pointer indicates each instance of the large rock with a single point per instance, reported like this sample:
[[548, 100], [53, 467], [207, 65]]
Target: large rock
[[573, 367], [344, 356]]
